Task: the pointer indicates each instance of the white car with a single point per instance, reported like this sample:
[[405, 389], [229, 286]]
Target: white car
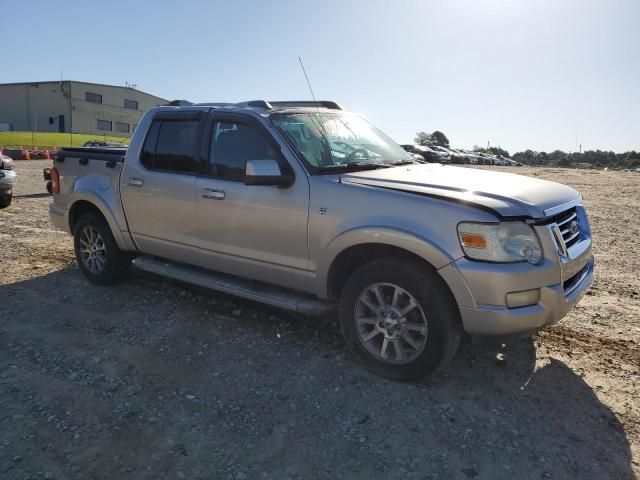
[[7, 180]]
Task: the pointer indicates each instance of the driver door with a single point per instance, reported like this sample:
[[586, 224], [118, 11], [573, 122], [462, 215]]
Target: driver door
[[254, 231]]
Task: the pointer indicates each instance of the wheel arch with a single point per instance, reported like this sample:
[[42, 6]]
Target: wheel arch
[[88, 203], [357, 247]]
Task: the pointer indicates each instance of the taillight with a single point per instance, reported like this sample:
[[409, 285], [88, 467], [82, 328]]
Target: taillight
[[55, 180]]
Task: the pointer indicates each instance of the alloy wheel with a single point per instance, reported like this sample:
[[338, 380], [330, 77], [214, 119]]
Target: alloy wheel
[[93, 251], [390, 323]]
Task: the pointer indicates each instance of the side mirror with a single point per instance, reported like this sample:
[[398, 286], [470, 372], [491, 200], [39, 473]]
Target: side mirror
[[265, 172]]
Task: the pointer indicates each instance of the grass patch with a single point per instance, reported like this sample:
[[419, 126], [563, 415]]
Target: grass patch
[[51, 139]]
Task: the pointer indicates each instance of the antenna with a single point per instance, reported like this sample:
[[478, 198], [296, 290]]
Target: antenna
[[317, 106], [308, 83]]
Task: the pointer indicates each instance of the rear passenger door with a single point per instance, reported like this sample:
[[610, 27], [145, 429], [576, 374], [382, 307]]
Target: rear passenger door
[[255, 231], [158, 189]]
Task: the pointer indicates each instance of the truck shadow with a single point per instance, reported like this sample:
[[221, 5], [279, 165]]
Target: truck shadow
[[287, 397], [547, 420], [33, 195]]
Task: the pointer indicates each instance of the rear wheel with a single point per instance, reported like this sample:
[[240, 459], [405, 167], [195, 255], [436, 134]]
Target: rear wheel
[[399, 319], [97, 253]]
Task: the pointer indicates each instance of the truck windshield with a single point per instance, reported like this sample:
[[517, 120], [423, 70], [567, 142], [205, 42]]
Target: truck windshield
[[339, 141]]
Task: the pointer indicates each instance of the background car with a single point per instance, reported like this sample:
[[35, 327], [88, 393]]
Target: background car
[[486, 158], [427, 153], [103, 144], [454, 156], [7, 180]]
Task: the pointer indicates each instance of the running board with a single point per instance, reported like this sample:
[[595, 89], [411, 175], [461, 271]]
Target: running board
[[259, 292]]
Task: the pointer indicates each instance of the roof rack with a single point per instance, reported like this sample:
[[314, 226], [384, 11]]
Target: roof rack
[[255, 104], [262, 104], [216, 104], [289, 103], [308, 103]]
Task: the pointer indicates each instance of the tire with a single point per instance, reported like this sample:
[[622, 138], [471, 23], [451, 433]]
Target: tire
[[97, 254], [432, 324], [5, 200]]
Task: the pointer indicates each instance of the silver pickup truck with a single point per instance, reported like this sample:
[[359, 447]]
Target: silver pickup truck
[[307, 207]]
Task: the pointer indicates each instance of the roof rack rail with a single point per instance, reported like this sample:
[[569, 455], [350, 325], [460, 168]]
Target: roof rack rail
[[255, 104], [308, 103], [261, 104], [216, 104]]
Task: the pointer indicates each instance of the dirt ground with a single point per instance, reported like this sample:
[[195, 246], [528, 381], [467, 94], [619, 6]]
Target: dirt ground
[[154, 379]]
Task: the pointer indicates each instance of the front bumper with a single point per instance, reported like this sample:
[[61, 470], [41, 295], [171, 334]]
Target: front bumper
[[481, 288], [555, 302]]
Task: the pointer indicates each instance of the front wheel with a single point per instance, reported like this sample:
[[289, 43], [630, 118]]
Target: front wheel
[[97, 253], [399, 319]]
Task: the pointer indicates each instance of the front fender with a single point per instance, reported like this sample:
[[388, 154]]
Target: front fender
[[398, 238]]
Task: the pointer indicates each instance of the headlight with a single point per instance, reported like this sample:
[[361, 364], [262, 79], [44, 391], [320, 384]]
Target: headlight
[[504, 242]]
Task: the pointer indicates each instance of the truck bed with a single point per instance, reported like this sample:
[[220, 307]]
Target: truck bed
[[90, 153], [91, 174]]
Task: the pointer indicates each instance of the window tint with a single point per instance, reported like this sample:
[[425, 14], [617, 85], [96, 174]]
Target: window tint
[[132, 104], [104, 125], [175, 149], [149, 147], [232, 144], [93, 97]]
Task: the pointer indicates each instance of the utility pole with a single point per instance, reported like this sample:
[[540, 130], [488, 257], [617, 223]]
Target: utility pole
[[35, 127]]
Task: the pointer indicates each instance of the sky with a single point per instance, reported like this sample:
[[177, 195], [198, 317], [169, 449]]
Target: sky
[[539, 74]]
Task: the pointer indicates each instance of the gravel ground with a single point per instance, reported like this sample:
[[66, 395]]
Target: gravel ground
[[155, 379]]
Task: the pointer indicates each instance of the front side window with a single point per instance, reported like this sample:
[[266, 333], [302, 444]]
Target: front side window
[[232, 144], [336, 140], [104, 125]]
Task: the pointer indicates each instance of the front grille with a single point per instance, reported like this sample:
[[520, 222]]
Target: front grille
[[574, 280], [570, 231]]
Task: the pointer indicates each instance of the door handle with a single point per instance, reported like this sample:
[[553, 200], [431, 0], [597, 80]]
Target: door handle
[[134, 182], [214, 194]]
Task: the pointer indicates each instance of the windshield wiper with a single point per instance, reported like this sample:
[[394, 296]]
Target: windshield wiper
[[351, 167]]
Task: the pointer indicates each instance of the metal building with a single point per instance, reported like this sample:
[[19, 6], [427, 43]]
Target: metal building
[[73, 107]]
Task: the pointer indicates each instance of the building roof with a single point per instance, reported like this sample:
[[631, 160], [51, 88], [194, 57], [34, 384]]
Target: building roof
[[80, 81]]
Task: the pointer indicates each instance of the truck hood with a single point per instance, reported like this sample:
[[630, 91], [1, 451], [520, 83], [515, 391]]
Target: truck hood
[[506, 194]]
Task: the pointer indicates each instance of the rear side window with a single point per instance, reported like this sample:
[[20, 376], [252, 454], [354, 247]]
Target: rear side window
[[149, 147], [171, 146]]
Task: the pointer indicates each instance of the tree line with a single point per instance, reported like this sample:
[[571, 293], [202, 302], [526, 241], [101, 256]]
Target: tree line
[[594, 158]]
